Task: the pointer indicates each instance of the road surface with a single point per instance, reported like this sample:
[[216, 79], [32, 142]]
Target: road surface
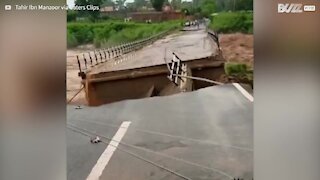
[[204, 134]]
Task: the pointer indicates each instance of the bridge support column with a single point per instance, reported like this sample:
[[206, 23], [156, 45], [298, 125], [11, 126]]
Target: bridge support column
[[186, 84]]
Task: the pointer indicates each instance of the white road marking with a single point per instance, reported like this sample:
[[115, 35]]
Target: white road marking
[[243, 91], [108, 152]]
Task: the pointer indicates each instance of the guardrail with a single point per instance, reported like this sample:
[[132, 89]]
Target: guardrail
[[214, 35], [96, 57]]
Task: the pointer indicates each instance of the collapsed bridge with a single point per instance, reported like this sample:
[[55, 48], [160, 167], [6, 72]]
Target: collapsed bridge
[[140, 69]]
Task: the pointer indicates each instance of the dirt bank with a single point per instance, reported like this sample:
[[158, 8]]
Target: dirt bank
[[237, 47]]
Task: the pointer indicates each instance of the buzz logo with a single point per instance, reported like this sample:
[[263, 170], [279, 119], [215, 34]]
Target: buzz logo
[[290, 8]]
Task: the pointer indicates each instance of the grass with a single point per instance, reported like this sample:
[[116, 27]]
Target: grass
[[239, 71], [113, 32], [71, 40], [230, 22]]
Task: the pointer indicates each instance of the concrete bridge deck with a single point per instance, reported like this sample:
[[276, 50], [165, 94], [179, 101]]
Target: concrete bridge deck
[[188, 45]]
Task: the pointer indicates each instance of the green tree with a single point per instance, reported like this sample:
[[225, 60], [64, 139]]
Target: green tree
[[81, 3], [120, 4], [186, 7], [92, 15], [157, 4], [107, 3], [176, 4], [234, 5], [137, 5], [71, 15], [207, 7], [243, 5], [140, 3]]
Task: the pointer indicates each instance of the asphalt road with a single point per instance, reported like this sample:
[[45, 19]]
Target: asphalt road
[[204, 134]]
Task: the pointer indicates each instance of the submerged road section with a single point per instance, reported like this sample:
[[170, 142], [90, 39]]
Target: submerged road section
[[204, 134]]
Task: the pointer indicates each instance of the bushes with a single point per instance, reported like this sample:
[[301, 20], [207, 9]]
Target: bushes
[[114, 32], [235, 68], [86, 33], [71, 16], [228, 22], [82, 32], [238, 70], [71, 40]]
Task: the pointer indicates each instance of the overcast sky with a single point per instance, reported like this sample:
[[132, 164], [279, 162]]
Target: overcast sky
[[71, 2]]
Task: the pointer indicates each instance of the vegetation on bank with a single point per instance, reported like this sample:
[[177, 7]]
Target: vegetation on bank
[[230, 22], [197, 8], [94, 27], [109, 33], [239, 71]]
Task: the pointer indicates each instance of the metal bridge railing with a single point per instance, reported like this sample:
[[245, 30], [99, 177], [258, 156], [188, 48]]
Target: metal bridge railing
[[99, 56]]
